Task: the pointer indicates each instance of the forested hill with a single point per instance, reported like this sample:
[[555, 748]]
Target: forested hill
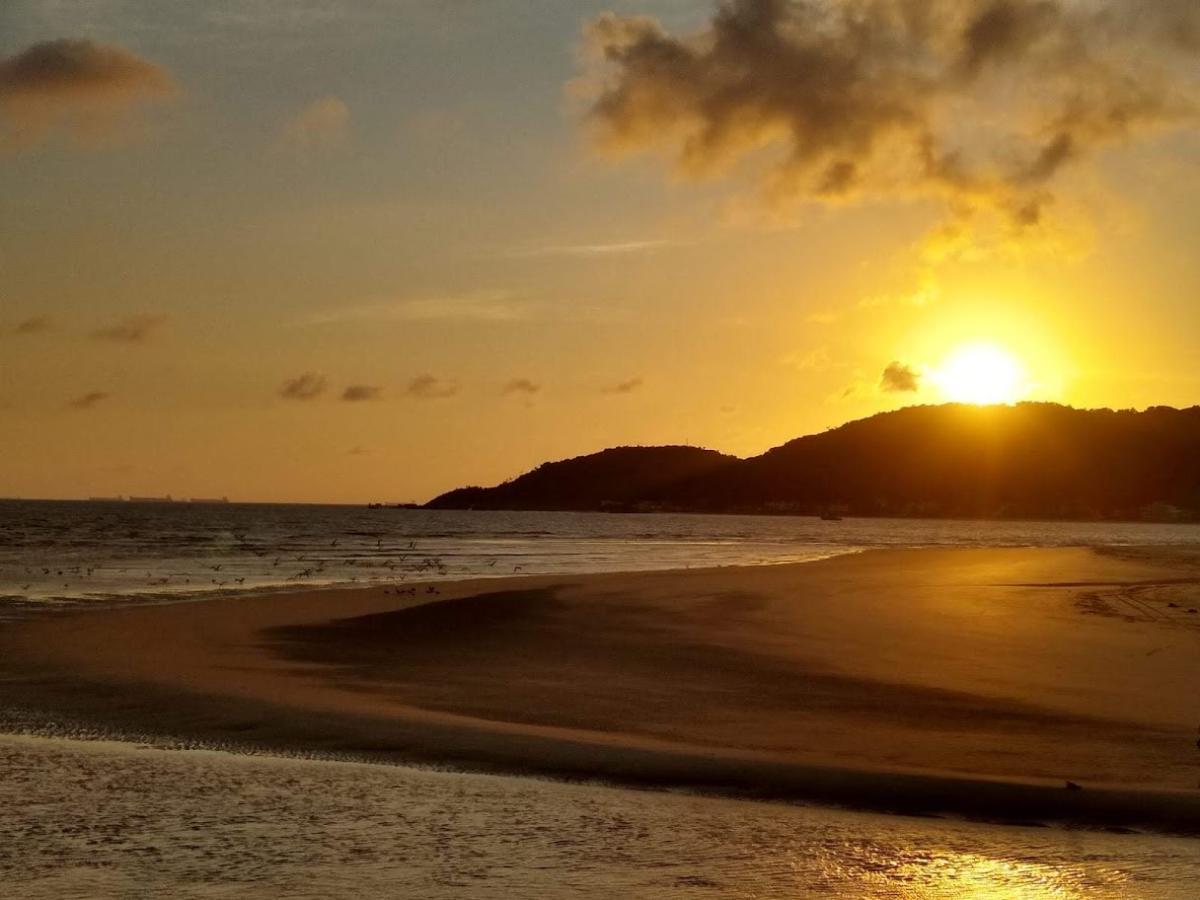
[[1037, 460], [611, 479]]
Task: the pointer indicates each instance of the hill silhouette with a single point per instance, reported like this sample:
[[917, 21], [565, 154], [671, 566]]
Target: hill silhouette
[[1035, 460], [620, 477]]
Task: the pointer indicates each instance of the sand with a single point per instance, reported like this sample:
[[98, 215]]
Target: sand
[[962, 682]]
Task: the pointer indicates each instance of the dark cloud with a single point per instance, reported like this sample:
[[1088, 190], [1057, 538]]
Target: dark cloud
[[899, 378], [521, 386], [978, 102], [359, 392], [133, 330], [428, 387], [34, 325], [308, 386], [623, 387], [87, 88], [88, 400]]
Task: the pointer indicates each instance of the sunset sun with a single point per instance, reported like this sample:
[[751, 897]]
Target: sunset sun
[[981, 373]]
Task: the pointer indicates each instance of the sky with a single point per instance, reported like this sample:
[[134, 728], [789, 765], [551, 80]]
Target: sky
[[286, 250]]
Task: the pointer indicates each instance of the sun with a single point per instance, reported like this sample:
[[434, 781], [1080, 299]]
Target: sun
[[981, 373]]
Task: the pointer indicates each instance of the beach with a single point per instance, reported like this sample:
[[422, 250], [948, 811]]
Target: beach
[[967, 682]]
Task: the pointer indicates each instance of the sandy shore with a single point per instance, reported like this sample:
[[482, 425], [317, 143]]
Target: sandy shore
[[969, 682]]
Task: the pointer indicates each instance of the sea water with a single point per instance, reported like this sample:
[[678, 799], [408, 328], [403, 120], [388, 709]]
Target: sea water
[[61, 552]]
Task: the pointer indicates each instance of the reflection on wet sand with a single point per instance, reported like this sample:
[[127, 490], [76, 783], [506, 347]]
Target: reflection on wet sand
[[105, 820]]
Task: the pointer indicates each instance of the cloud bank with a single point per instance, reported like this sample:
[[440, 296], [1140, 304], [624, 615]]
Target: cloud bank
[[981, 104], [88, 90]]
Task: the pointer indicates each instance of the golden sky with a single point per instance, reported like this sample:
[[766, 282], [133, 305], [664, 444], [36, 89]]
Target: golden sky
[[375, 250]]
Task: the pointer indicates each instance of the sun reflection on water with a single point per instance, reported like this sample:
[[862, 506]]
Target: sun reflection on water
[[946, 874]]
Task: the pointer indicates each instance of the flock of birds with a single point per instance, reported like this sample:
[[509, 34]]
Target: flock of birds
[[243, 559]]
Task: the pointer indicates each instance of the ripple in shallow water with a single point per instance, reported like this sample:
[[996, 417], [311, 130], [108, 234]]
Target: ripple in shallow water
[[104, 820]]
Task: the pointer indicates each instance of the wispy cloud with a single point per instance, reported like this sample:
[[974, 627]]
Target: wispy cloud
[[521, 386], [815, 360], [481, 306], [133, 330], [34, 325], [356, 393], [429, 387], [308, 386], [623, 387], [88, 90], [322, 125], [618, 248], [88, 400]]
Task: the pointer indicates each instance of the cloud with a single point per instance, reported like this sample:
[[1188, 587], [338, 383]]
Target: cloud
[[899, 378], [90, 91], [427, 387], [133, 330], [34, 325], [980, 104], [308, 386], [481, 306], [623, 387], [619, 248], [322, 125], [521, 386], [88, 400], [815, 360], [359, 392]]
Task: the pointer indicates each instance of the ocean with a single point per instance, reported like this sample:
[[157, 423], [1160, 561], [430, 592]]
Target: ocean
[[66, 553]]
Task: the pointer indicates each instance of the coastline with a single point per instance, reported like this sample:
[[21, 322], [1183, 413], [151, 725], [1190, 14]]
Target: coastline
[[788, 682]]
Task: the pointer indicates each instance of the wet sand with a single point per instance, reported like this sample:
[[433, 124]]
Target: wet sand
[[964, 682]]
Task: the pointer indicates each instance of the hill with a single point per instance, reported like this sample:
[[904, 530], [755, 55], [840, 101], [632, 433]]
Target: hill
[[1037, 460], [618, 478]]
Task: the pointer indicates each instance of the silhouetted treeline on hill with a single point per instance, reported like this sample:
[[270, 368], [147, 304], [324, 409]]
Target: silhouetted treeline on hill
[[1037, 460], [619, 477]]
